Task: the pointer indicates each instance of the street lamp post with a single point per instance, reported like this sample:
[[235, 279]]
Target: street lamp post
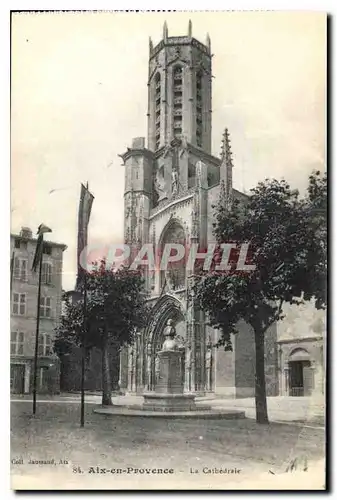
[[36, 351]]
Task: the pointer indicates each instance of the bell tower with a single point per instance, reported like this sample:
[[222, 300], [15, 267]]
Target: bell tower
[[180, 91]]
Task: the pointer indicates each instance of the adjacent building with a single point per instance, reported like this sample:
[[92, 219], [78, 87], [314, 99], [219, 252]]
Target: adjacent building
[[301, 351], [24, 291]]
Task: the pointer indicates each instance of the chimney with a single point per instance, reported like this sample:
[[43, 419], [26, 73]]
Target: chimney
[[26, 232]]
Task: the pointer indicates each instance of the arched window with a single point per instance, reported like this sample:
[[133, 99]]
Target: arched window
[[199, 109], [157, 108], [173, 277], [177, 101]]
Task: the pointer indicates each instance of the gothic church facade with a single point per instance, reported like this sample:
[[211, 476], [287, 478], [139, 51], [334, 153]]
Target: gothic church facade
[[171, 184]]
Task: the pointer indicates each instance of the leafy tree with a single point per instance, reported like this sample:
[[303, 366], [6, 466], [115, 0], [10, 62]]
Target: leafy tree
[[287, 241], [115, 310]]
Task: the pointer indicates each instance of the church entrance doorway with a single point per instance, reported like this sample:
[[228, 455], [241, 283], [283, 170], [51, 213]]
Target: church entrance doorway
[[168, 308]]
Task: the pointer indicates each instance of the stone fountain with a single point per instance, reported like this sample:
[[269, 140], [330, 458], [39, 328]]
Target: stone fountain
[[169, 390], [168, 400]]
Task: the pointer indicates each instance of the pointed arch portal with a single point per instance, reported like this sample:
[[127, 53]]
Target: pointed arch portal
[[166, 308]]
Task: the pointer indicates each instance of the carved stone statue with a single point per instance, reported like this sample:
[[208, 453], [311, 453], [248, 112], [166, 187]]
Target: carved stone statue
[[201, 175], [149, 367], [188, 364], [175, 182], [157, 368], [170, 343], [159, 185], [209, 363], [130, 370], [183, 146]]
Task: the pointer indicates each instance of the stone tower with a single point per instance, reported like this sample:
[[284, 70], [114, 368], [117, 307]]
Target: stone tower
[[180, 91]]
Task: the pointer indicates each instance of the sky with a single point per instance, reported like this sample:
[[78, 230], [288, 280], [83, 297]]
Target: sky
[[79, 96]]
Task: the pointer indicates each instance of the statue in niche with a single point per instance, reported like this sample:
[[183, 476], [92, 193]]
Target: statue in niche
[[149, 367], [201, 174], [159, 185], [188, 366], [157, 369], [183, 146], [209, 363], [134, 368], [175, 182], [130, 370]]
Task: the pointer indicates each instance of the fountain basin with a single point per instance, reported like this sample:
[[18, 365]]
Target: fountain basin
[[170, 402], [199, 412]]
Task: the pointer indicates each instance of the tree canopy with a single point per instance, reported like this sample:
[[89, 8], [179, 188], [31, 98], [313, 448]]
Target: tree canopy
[[287, 241], [115, 310]]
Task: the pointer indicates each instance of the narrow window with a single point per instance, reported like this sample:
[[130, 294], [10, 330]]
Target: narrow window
[[20, 269], [46, 275], [177, 101], [17, 341], [157, 109], [45, 307], [199, 109], [19, 304]]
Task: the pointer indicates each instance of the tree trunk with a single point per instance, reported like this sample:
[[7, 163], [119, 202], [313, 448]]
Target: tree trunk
[[260, 380], [106, 377]]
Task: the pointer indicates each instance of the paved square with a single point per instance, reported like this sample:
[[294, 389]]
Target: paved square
[[186, 446]]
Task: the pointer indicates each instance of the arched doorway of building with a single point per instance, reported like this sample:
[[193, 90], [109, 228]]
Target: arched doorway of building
[[301, 379], [173, 276], [167, 308]]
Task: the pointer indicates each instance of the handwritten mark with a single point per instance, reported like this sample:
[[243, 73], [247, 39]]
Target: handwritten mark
[[300, 464]]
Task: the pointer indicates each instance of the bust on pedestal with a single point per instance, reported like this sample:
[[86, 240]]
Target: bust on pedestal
[[170, 379], [168, 395]]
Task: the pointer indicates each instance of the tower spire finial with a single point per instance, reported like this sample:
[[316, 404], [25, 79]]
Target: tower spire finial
[[226, 166], [190, 28], [226, 154], [165, 31], [150, 45], [208, 42]]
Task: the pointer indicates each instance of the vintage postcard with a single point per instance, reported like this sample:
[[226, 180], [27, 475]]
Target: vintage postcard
[[168, 250]]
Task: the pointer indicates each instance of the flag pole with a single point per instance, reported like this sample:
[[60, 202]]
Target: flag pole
[[83, 347], [86, 199], [37, 332]]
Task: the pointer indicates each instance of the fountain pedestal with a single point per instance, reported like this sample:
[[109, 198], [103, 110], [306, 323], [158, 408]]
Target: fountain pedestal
[[168, 395], [168, 398], [170, 380]]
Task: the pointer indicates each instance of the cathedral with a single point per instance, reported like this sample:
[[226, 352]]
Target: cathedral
[[172, 181]]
